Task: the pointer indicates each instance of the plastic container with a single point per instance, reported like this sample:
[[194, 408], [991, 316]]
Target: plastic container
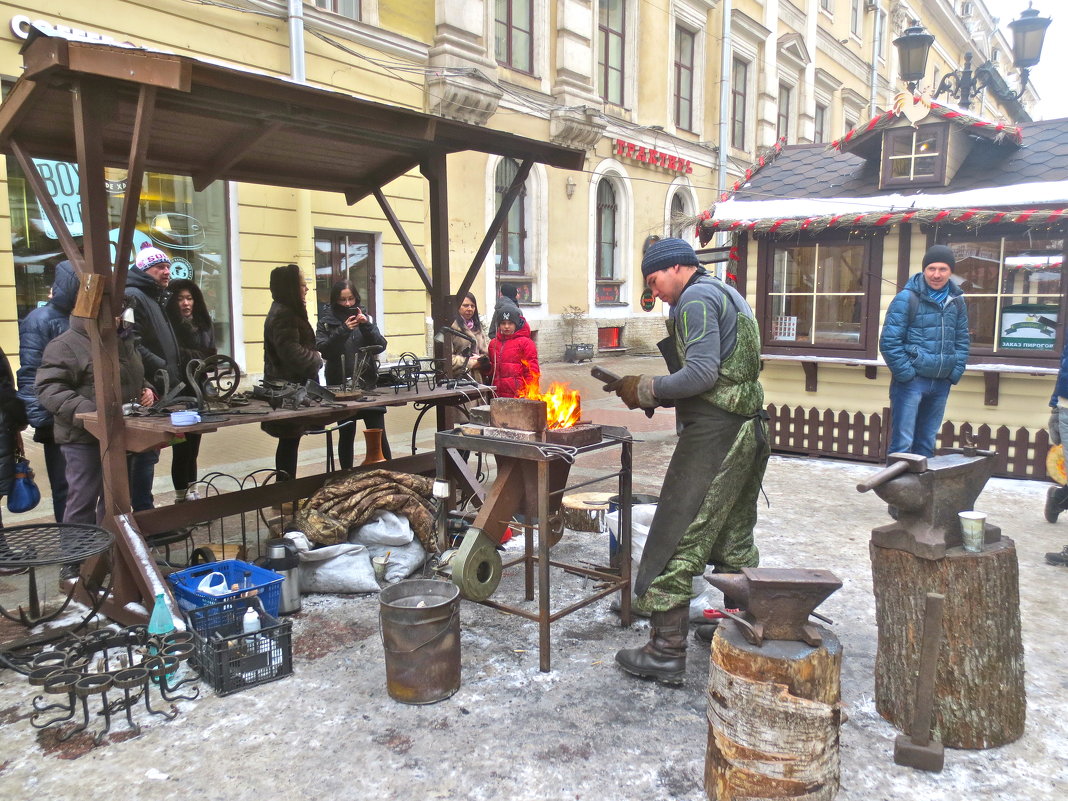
[[636, 499], [421, 636], [186, 584], [231, 659]]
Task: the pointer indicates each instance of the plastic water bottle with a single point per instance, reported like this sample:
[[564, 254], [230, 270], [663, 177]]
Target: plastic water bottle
[[160, 624], [250, 624]]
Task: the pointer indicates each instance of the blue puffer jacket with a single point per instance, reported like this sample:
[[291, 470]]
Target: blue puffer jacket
[[36, 330], [934, 343], [1061, 390]]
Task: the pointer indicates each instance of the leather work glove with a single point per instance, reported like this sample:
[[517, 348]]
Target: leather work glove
[[1055, 426], [636, 391]]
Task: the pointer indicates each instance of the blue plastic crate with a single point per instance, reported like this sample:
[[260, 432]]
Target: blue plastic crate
[[267, 583]]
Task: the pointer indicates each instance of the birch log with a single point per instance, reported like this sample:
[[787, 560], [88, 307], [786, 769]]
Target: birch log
[[585, 511], [774, 715], [980, 700]]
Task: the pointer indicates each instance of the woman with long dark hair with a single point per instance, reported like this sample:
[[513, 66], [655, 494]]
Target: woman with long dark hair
[[289, 354], [196, 340], [465, 356], [342, 331]]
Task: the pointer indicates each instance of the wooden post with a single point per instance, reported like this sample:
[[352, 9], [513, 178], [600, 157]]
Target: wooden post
[[774, 714], [979, 687]]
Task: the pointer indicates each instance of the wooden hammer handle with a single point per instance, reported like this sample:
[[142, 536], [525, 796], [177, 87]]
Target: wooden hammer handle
[[928, 668]]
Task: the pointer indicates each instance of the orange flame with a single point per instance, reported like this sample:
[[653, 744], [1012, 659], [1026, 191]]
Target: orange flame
[[563, 406]]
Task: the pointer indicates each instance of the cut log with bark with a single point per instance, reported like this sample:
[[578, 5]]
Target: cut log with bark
[[979, 687], [774, 715], [585, 511]]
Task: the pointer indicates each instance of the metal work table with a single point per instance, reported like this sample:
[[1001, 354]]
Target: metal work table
[[545, 466]]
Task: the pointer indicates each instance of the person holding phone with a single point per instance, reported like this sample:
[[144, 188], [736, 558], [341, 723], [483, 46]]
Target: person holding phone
[[343, 329]]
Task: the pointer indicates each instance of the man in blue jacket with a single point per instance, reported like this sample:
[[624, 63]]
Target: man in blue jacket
[[1057, 496], [36, 330], [925, 343]]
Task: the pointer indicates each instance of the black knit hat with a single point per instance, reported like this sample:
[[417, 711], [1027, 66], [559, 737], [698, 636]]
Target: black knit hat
[[510, 291], [667, 253], [942, 253]]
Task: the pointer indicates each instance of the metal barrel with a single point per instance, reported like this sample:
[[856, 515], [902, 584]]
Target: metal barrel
[[420, 620]]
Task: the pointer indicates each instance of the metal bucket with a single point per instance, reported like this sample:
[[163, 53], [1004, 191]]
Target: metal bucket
[[420, 621]]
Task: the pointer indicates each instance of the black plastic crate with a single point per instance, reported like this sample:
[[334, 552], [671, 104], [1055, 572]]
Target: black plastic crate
[[230, 660]]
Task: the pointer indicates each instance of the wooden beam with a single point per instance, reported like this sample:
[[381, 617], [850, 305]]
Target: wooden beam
[[406, 243], [390, 172], [811, 375], [46, 54], [135, 174], [17, 104], [48, 205], [441, 308], [992, 387], [232, 152], [494, 228]]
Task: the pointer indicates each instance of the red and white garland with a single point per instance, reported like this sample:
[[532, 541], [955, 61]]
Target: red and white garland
[[1032, 218], [962, 118]]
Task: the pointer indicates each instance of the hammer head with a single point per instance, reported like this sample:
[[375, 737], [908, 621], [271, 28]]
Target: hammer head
[[922, 757], [916, 464]]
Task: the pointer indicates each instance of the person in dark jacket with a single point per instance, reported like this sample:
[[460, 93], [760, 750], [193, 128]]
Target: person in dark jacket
[[342, 331], [12, 421], [146, 295], [65, 387], [289, 354], [1057, 495], [191, 322], [508, 301], [925, 343], [513, 356], [36, 330]]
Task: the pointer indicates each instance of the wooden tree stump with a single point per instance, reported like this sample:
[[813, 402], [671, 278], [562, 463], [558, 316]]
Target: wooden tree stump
[[585, 511], [979, 689], [773, 718]]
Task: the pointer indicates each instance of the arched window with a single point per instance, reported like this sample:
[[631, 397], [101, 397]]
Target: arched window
[[608, 273], [678, 213], [511, 257]]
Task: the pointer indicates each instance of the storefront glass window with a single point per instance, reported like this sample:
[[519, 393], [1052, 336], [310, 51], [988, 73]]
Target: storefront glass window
[[817, 294], [1012, 286], [191, 227]]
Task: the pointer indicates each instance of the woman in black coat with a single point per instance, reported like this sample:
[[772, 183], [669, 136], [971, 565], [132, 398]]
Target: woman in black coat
[[289, 354], [193, 329], [343, 329]]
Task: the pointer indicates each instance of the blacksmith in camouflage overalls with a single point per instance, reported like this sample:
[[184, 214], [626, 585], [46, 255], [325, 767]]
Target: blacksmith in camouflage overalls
[[707, 507]]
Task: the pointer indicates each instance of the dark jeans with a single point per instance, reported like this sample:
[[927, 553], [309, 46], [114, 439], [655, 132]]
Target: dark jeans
[[285, 456], [916, 410], [184, 461], [56, 467], [142, 471]]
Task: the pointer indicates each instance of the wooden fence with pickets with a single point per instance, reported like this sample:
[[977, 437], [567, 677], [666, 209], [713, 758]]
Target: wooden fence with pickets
[[865, 437]]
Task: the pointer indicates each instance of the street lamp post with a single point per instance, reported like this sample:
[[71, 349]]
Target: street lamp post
[[1028, 34]]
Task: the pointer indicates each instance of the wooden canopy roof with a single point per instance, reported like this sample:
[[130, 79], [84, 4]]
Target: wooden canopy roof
[[215, 122]]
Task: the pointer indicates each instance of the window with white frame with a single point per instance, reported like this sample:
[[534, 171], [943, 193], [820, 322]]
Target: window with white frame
[[607, 257], [511, 244], [611, 50], [344, 8], [827, 5], [739, 92], [819, 124], [514, 34], [684, 77], [782, 119], [855, 17]]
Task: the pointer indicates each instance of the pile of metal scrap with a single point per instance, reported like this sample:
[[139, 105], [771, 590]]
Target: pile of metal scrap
[[349, 502]]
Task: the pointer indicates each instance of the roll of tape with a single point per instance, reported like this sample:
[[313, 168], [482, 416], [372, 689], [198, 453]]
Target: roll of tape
[[476, 568]]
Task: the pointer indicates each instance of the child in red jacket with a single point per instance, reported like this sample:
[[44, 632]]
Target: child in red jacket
[[513, 356]]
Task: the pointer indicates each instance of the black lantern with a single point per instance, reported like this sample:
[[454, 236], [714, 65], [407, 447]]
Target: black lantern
[[913, 47], [1028, 34]]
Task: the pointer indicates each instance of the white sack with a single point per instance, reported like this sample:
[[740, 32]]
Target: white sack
[[345, 567], [384, 528], [403, 561]]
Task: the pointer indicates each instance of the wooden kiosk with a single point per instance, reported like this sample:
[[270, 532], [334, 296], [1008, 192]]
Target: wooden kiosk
[[101, 105]]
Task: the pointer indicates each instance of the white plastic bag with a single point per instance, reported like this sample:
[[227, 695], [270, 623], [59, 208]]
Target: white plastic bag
[[384, 528], [345, 567], [402, 562], [641, 517], [213, 584]]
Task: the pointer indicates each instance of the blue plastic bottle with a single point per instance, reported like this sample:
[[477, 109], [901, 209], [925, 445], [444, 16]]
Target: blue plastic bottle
[[160, 624]]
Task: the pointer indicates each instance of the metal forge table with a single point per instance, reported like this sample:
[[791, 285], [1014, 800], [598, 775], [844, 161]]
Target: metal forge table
[[531, 478]]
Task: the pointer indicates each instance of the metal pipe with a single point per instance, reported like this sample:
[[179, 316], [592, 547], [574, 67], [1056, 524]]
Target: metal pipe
[[724, 98], [873, 105], [296, 41]]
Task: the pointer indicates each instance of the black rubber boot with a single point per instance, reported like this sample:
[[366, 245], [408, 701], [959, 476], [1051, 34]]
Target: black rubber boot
[[1056, 502], [663, 658]]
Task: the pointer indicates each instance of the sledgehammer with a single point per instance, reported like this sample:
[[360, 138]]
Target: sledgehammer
[[919, 750]]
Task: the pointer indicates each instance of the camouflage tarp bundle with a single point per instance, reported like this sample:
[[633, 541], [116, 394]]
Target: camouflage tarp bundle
[[350, 502]]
